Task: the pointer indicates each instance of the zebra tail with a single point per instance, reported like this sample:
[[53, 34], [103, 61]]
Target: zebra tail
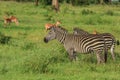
[[105, 56], [118, 42]]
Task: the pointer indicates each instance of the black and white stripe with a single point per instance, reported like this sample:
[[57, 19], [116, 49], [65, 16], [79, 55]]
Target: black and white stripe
[[78, 43], [109, 39]]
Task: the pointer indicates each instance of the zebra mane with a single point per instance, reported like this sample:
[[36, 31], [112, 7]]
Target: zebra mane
[[63, 28], [59, 28], [80, 30]]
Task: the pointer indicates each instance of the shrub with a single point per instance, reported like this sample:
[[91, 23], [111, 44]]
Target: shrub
[[4, 39], [3, 69], [35, 64], [39, 63]]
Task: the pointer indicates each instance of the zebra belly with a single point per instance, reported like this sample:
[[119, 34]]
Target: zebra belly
[[76, 48], [83, 50]]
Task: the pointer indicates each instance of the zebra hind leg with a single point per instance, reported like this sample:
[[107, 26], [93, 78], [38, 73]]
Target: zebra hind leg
[[112, 52]]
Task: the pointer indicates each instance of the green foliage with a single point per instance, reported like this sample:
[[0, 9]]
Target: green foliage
[[39, 63], [110, 12], [24, 0], [73, 2], [49, 18], [3, 70], [8, 13], [82, 2], [85, 12], [94, 20], [36, 64], [46, 2], [4, 39], [27, 57], [27, 46]]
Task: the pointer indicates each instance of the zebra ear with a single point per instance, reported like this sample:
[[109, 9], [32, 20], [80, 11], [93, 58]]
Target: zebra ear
[[52, 28]]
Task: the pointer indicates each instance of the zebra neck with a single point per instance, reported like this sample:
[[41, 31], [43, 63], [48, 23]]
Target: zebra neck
[[61, 37]]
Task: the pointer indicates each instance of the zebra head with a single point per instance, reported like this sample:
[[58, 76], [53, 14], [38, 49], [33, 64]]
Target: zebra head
[[50, 36], [54, 33]]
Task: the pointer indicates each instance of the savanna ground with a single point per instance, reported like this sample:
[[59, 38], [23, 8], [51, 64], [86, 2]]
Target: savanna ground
[[27, 57]]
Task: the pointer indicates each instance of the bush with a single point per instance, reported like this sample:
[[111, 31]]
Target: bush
[[82, 2], [35, 64], [4, 39], [24, 0], [46, 2], [39, 63], [3, 69]]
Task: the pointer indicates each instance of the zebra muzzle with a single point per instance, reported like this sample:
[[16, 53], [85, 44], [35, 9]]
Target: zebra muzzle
[[45, 40]]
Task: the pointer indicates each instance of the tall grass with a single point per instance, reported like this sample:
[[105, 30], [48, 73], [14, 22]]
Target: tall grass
[[25, 56]]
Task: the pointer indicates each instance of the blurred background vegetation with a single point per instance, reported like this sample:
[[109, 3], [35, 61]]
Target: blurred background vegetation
[[73, 2]]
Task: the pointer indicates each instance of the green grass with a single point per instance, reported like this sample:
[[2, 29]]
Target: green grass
[[27, 57]]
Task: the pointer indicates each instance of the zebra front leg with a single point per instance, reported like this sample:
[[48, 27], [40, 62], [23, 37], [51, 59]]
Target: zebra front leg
[[72, 54], [100, 58]]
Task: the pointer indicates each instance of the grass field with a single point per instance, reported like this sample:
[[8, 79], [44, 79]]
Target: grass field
[[27, 57]]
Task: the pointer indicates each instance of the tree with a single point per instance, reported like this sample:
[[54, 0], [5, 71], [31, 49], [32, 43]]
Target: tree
[[101, 1], [55, 5], [36, 2]]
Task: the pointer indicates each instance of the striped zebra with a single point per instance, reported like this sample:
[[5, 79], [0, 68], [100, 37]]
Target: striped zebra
[[77, 43], [109, 39]]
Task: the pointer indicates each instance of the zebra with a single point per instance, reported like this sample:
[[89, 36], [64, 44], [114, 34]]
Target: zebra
[[109, 39], [77, 43]]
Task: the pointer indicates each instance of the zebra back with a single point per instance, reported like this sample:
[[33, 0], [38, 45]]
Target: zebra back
[[109, 38], [78, 31], [80, 43]]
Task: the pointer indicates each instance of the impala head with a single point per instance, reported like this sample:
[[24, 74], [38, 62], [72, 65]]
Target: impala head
[[5, 17], [58, 23], [48, 26]]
